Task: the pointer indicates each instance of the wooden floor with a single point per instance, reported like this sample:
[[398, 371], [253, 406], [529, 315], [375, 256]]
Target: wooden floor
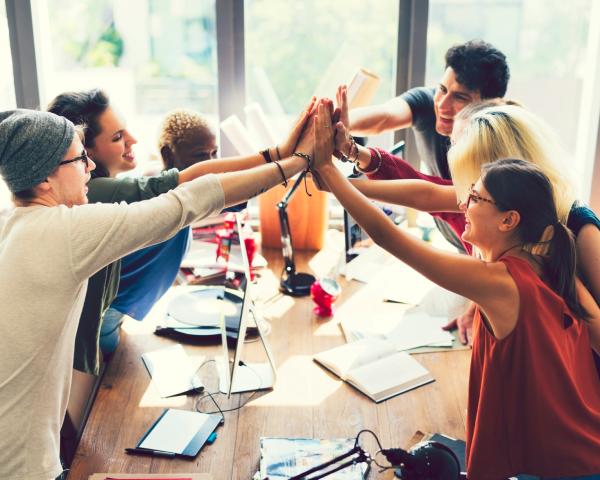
[[306, 401]]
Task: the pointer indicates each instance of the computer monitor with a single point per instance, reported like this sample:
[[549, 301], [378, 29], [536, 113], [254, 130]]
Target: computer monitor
[[234, 374]]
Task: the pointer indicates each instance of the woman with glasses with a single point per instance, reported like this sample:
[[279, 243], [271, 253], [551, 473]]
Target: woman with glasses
[[50, 245], [534, 396], [110, 144], [484, 133]]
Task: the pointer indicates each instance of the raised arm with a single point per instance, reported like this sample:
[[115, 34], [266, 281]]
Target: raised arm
[[484, 283], [391, 115], [419, 194]]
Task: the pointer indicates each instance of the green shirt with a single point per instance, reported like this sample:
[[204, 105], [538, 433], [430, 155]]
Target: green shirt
[[103, 285]]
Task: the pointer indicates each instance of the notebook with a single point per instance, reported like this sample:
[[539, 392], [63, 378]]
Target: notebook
[[375, 368]]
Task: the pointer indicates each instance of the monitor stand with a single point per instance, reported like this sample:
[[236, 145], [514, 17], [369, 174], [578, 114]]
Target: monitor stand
[[248, 377]]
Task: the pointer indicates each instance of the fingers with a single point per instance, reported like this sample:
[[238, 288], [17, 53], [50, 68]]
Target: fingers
[[462, 335], [451, 325]]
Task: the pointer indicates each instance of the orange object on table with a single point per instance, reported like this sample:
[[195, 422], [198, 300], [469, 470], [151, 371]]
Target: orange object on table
[[308, 216]]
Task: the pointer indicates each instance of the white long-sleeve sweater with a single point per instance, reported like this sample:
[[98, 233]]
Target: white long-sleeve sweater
[[46, 256]]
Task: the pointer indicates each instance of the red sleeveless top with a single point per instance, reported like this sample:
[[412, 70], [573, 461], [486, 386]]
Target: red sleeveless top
[[534, 396]]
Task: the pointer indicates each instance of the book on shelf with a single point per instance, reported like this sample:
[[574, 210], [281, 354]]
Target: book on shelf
[[375, 367], [282, 458]]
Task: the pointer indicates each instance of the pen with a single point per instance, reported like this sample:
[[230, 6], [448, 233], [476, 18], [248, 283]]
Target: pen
[[149, 451]]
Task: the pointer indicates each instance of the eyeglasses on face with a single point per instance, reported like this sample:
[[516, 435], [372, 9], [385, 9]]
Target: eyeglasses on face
[[83, 157], [475, 197]]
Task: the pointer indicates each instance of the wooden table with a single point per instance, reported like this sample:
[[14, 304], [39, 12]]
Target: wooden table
[[307, 401]]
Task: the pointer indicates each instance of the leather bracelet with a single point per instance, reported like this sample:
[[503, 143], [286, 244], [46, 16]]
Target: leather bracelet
[[285, 182], [277, 151], [266, 155], [373, 170], [305, 156]]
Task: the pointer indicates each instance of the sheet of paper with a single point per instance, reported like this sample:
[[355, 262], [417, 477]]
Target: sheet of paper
[[171, 371]]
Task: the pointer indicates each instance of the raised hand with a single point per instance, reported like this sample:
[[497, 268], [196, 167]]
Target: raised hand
[[289, 145], [342, 135], [323, 135]]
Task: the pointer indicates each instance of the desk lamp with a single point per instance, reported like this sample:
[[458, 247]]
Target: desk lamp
[[292, 282]]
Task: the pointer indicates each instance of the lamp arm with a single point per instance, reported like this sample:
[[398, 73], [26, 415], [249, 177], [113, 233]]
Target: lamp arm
[[286, 234]]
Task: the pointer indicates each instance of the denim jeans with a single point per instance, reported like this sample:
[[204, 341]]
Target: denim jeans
[[110, 331]]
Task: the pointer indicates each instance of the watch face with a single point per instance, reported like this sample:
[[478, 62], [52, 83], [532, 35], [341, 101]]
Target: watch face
[[330, 286]]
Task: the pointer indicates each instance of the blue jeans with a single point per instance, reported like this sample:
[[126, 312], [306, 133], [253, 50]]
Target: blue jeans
[[110, 331]]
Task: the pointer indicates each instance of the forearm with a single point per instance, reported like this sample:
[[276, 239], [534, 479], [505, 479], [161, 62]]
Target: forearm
[[221, 165], [459, 273], [419, 194], [372, 120], [243, 185]]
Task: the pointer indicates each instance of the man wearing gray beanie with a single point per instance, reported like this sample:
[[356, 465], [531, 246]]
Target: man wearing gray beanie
[[31, 146], [52, 242]]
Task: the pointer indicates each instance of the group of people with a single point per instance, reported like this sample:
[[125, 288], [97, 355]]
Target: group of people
[[82, 248]]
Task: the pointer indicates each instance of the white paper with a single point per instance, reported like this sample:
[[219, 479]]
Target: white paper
[[171, 371]]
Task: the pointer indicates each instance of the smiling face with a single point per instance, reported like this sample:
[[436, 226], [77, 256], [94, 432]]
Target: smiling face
[[68, 183], [482, 218], [113, 147], [450, 98]]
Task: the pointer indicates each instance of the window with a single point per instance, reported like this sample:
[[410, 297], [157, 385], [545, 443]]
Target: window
[[296, 49], [150, 56], [544, 40], [7, 87]]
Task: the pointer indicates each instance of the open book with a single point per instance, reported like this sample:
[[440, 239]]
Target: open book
[[375, 367]]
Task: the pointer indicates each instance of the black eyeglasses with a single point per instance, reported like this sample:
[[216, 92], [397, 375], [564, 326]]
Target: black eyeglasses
[[83, 157], [475, 197]]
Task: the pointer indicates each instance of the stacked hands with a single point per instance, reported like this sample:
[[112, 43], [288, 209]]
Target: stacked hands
[[320, 133]]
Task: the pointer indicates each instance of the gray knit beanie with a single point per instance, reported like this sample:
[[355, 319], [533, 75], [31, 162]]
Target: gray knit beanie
[[32, 144]]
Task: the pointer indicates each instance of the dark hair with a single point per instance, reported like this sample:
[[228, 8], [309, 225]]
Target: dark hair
[[522, 186], [24, 195], [83, 108], [479, 66]]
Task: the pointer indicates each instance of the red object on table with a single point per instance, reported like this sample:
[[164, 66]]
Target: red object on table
[[324, 292]]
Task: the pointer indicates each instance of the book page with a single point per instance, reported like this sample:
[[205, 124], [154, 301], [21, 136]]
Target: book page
[[387, 376], [340, 360]]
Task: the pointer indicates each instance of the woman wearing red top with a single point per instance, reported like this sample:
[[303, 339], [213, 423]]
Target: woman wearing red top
[[534, 396]]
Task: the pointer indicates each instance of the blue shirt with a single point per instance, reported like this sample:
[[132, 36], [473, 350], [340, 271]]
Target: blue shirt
[[580, 216], [148, 273]]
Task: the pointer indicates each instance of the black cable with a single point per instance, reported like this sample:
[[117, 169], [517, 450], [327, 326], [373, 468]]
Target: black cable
[[204, 393]]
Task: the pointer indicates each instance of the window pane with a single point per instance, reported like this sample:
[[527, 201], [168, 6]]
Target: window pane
[[545, 44], [296, 49], [150, 56], [7, 86]]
